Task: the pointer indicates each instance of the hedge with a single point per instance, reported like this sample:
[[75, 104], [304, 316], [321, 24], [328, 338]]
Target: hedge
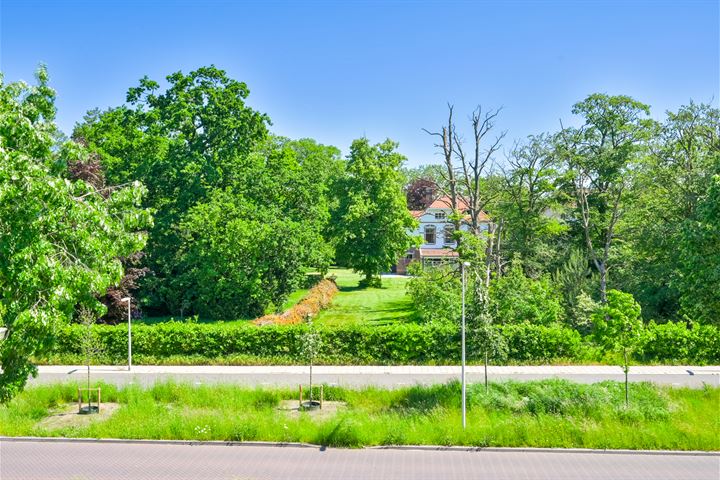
[[386, 344]]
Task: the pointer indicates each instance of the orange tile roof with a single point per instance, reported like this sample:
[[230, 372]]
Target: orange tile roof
[[445, 202]]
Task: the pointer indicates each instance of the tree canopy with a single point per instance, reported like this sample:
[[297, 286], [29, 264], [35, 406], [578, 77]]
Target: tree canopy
[[60, 239]]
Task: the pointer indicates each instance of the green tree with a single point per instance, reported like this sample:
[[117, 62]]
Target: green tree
[[700, 253], [182, 143], [516, 298], [618, 328], [673, 182], [60, 239], [601, 159], [237, 257], [371, 222], [435, 293], [529, 205]]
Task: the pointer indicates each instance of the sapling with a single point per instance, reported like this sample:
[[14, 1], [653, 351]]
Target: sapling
[[89, 344], [618, 328], [311, 345]]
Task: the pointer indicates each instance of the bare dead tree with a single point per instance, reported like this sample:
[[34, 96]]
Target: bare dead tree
[[465, 172]]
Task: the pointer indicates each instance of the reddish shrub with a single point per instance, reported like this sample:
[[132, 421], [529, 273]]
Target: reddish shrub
[[319, 297]]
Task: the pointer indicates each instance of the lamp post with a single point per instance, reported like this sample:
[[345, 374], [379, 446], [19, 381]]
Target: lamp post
[[462, 373], [128, 300]]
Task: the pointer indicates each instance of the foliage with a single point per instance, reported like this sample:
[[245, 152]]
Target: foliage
[[530, 206], [435, 293], [618, 327], [60, 239], [420, 193], [700, 252], [318, 298], [370, 225], [673, 183], [355, 344], [516, 298], [226, 270], [600, 159], [198, 147], [617, 324]]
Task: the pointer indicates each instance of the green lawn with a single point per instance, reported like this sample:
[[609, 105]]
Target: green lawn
[[354, 305], [547, 413]]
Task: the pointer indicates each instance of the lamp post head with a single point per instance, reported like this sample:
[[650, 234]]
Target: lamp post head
[[126, 299], [466, 264]]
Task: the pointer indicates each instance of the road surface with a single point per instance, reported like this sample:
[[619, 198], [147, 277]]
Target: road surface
[[31, 460], [388, 377]]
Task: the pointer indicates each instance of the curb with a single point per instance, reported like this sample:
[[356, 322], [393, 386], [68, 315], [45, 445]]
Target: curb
[[221, 443]]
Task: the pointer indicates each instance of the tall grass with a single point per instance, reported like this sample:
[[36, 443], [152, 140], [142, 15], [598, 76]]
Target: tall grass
[[547, 413]]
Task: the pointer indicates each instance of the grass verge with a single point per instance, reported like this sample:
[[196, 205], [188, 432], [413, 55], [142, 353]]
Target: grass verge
[[548, 413]]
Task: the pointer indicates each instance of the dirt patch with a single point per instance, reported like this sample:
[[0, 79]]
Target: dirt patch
[[291, 408], [67, 416]]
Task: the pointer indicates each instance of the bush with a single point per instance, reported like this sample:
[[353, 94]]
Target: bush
[[533, 343], [515, 298], [319, 297], [244, 343], [436, 293], [352, 344], [674, 341]]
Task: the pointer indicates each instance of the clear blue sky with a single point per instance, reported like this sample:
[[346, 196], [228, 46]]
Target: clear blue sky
[[335, 71]]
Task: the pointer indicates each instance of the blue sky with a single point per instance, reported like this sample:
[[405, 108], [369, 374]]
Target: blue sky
[[335, 71]]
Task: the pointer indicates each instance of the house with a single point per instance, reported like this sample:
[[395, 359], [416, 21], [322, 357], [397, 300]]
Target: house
[[436, 231]]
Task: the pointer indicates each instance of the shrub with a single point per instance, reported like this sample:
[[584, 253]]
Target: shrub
[[436, 293], [319, 297], [533, 343], [353, 344], [674, 341], [515, 298]]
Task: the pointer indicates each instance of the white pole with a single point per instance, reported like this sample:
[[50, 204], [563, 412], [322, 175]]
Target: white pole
[[462, 270], [127, 299]]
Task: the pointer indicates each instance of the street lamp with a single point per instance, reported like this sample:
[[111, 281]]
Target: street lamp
[[128, 300], [464, 409]]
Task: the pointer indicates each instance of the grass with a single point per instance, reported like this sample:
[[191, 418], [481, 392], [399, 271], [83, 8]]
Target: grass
[[548, 413], [375, 306]]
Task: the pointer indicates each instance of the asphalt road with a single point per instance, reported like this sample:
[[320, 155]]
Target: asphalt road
[[30, 460], [387, 377]]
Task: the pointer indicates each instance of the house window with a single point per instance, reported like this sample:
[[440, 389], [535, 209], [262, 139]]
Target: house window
[[430, 234], [448, 234], [440, 215]]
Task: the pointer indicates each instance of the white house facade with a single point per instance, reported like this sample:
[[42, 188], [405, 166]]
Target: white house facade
[[436, 232]]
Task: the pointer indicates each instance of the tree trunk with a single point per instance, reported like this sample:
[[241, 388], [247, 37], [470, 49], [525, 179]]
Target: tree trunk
[[627, 368], [603, 282], [486, 365]]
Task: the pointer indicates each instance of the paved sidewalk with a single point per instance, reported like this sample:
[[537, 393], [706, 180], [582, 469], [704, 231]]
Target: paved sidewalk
[[29, 460], [385, 376]]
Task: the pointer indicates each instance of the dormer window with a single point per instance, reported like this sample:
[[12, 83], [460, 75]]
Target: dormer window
[[440, 216], [430, 234]]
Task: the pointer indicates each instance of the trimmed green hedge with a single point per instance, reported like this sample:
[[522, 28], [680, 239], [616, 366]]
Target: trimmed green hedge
[[387, 344]]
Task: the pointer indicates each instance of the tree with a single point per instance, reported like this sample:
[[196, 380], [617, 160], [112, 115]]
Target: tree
[[700, 253], [529, 205], [238, 257], [601, 158], [420, 193], [466, 182], [371, 222], [618, 328], [182, 143], [60, 239], [516, 298], [673, 181]]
